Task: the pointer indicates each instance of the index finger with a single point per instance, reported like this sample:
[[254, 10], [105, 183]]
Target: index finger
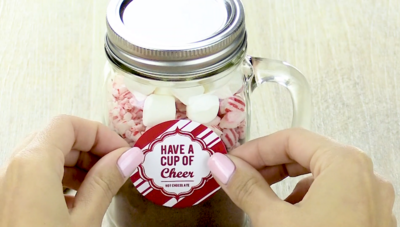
[[73, 133], [66, 133], [288, 146]]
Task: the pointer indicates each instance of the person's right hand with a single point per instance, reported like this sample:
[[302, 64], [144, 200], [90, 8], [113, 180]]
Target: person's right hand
[[343, 190]]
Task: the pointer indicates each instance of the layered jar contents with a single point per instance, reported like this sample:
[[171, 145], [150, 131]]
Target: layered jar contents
[[136, 104]]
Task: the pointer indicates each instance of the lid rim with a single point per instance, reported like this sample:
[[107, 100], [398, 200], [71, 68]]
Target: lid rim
[[205, 52], [183, 52], [175, 75]]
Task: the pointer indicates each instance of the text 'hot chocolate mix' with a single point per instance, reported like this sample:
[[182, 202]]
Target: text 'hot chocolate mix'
[[174, 172]]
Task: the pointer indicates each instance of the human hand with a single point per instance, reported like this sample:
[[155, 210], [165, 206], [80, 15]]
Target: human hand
[[72, 152], [343, 190]]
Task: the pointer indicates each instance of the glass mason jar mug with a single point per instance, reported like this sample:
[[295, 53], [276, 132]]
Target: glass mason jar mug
[[177, 74]]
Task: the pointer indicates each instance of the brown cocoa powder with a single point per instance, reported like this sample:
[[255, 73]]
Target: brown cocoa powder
[[130, 209]]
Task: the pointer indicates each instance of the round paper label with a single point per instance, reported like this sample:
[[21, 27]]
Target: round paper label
[[174, 172]]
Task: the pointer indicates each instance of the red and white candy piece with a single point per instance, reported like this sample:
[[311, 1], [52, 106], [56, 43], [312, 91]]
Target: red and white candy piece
[[120, 92], [180, 107], [181, 115], [216, 129], [214, 122], [241, 130], [230, 138], [232, 104], [232, 119]]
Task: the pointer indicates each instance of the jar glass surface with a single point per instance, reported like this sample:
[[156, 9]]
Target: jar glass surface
[[134, 104]]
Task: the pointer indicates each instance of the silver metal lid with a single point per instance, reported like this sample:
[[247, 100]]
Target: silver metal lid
[[175, 38]]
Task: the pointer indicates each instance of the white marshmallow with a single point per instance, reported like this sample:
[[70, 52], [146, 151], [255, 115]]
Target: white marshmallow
[[226, 87], [163, 91], [203, 108], [222, 92], [185, 94], [139, 96], [236, 83], [157, 109], [209, 87], [161, 83], [145, 89], [138, 100]]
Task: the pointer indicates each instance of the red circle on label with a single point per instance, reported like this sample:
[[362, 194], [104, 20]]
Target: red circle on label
[[174, 172]]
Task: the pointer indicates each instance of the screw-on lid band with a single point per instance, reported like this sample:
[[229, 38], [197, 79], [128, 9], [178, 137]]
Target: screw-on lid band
[[175, 37]]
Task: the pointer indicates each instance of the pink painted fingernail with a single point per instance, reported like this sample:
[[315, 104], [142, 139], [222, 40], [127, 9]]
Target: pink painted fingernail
[[129, 161], [221, 166]]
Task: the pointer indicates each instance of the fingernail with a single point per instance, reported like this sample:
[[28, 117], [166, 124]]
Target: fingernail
[[129, 161], [221, 166]]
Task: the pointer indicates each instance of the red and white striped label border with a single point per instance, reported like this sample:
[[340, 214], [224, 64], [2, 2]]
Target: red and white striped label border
[[198, 134]]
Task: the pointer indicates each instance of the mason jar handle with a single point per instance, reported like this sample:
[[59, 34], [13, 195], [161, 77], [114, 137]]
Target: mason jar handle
[[266, 70]]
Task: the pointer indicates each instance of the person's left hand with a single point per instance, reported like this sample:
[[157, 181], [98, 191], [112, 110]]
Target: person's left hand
[[72, 152]]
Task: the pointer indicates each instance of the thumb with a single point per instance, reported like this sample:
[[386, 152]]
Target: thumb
[[247, 188], [102, 183]]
